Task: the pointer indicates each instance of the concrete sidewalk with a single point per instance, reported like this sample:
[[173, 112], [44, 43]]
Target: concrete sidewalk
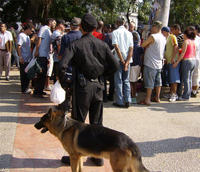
[[168, 134]]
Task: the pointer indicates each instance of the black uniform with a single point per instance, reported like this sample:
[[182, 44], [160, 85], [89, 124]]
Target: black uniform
[[91, 59]]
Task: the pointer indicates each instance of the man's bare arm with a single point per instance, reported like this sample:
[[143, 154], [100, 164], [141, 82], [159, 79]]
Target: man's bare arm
[[37, 47], [130, 55], [119, 53], [147, 42]]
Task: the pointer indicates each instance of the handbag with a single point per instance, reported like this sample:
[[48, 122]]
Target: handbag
[[31, 64], [34, 70], [57, 93]]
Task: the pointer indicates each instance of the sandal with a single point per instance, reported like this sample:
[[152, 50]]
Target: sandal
[[155, 100], [144, 103]]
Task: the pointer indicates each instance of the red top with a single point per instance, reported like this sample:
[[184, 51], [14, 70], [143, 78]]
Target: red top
[[98, 35], [191, 50]]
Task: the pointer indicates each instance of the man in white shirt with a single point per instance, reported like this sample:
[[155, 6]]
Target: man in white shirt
[[25, 56], [153, 62], [5, 50], [42, 55], [122, 40]]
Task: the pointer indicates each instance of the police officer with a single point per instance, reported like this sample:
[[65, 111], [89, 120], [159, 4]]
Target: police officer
[[91, 59]]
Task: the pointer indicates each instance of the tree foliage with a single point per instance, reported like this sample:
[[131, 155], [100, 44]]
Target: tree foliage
[[41, 9], [144, 10], [185, 12]]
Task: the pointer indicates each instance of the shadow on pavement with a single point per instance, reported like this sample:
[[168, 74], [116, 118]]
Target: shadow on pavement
[[12, 100], [21, 120], [36, 162], [182, 144], [30, 163], [175, 107]]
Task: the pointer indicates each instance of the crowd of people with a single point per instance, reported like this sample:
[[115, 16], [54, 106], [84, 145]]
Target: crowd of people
[[85, 55], [167, 57]]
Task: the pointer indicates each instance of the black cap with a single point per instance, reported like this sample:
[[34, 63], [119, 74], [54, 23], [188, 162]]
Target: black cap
[[90, 20]]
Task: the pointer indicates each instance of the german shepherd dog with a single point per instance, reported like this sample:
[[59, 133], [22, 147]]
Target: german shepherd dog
[[80, 139]]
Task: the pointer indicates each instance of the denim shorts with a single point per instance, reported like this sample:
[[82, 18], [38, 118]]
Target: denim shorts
[[174, 74], [152, 77]]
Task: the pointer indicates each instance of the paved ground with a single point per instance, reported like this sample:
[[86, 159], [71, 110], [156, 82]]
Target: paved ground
[[168, 134]]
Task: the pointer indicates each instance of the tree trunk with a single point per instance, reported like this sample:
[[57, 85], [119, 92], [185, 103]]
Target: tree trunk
[[163, 14]]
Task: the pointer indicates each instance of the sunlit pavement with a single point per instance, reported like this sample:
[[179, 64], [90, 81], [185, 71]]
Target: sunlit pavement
[[168, 134]]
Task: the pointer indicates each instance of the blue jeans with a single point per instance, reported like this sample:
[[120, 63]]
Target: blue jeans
[[187, 69], [122, 85]]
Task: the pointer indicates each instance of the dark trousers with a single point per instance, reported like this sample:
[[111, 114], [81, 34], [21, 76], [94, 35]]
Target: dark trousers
[[165, 75], [23, 77], [66, 105], [88, 98], [55, 71], [41, 77], [180, 85]]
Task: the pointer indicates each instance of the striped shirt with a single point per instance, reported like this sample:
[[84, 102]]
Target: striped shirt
[[180, 40]]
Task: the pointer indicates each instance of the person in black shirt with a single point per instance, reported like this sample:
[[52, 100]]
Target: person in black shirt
[[91, 60], [66, 40]]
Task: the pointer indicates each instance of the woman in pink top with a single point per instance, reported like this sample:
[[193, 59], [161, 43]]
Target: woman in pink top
[[188, 62]]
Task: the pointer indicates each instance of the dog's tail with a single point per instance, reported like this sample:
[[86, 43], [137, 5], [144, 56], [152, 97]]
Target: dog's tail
[[136, 154]]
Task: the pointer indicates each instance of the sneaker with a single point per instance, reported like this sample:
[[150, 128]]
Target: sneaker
[[118, 105], [7, 78], [44, 93], [28, 91], [97, 161], [134, 100], [48, 88], [173, 98]]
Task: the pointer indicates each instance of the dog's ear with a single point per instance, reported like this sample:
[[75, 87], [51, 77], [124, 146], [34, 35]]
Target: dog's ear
[[50, 111], [51, 114]]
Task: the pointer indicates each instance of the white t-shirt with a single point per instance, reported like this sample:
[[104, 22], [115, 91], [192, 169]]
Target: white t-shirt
[[45, 34], [197, 43], [124, 39], [155, 52], [24, 41], [7, 36]]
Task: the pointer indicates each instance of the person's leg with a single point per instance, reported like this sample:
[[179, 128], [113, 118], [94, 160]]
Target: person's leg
[[22, 77], [165, 75], [111, 88], [16, 57], [96, 106], [118, 86], [195, 79], [188, 67], [105, 98], [126, 86], [149, 79], [1, 62], [174, 77], [180, 85], [148, 96], [81, 101], [49, 72], [7, 64], [41, 78]]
